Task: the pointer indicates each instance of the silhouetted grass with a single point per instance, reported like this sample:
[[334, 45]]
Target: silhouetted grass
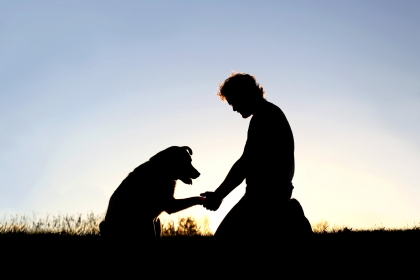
[[51, 225], [324, 228], [79, 225], [88, 225], [70, 239]]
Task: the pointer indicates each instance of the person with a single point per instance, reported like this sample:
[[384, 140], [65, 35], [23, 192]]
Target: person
[[267, 164]]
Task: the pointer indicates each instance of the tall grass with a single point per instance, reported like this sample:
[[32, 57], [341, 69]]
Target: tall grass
[[88, 225], [186, 227], [323, 227], [80, 225], [60, 224]]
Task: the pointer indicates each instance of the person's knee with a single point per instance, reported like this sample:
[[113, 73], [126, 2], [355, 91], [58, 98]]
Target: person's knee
[[103, 229]]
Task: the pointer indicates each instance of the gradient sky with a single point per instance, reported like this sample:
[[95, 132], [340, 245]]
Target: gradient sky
[[91, 89]]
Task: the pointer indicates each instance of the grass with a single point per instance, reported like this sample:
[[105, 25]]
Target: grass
[[88, 225], [55, 225], [75, 239], [324, 228]]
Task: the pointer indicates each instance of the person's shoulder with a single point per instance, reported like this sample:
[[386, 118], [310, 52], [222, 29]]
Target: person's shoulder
[[269, 108], [267, 111]]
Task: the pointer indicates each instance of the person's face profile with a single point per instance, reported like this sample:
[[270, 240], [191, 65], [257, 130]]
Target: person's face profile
[[240, 105]]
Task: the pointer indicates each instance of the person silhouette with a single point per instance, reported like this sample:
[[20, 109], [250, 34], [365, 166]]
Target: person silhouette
[[267, 164]]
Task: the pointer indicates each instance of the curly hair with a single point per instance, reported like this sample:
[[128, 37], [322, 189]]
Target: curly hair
[[238, 83]]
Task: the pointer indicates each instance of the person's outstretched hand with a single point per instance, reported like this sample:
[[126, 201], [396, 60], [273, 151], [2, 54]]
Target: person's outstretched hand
[[212, 202]]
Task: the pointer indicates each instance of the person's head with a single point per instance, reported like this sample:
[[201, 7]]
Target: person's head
[[242, 92]]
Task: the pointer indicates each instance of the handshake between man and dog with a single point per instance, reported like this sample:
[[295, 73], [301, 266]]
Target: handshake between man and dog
[[267, 165], [149, 190]]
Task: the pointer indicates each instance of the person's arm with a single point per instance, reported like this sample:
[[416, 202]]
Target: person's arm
[[234, 178], [180, 204]]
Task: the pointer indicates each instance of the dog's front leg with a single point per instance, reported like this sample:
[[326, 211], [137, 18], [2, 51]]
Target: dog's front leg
[[176, 205]]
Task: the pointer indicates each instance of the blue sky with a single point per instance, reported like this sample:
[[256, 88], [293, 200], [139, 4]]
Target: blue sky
[[91, 89]]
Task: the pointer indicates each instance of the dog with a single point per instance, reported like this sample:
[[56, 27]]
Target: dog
[[148, 191]]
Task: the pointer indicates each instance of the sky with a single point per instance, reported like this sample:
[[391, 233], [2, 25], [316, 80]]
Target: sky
[[89, 90]]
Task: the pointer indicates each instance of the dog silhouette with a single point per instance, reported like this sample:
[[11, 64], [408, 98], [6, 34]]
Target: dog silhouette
[[148, 191]]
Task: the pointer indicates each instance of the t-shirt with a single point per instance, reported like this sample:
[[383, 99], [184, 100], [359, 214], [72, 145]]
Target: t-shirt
[[269, 151]]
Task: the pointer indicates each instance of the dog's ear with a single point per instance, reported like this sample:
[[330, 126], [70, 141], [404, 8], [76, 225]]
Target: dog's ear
[[188, 149]]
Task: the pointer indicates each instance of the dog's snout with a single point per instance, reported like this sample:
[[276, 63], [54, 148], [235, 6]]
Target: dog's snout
[[195, 173]]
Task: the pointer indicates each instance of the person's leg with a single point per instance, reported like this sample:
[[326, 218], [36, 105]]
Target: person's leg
[[299, 224], [103, 229], [234, 226], [270, 219], [254, 220]]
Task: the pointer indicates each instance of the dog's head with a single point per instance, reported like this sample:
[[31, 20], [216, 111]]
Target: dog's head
[[176, 163]]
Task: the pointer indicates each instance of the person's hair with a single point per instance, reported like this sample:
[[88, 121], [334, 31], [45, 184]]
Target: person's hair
[[238, 83]]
